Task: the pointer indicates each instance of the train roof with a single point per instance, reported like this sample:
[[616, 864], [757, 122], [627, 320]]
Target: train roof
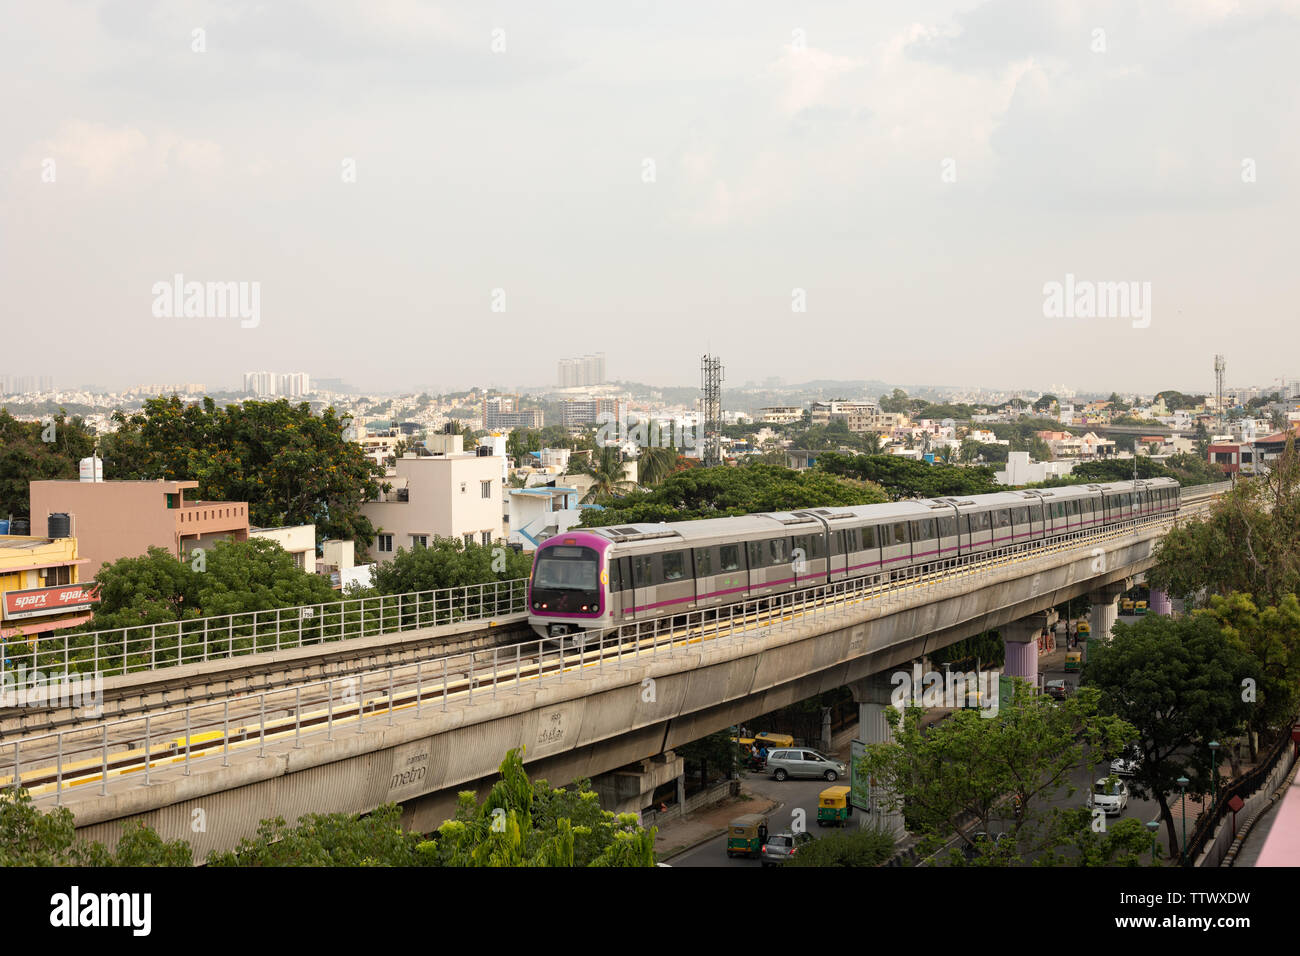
[[796, 522]]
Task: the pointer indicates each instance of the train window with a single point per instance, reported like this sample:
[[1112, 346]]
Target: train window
[[850, 540], [729, 557], [703, 562], [1074, 507], [1002, 518], [979, 521], [1058, 509], [948, 527], [900, 533], [777, 549], [869, 538], [1020, 516], [674, 565], [803, 545], [923, 530], [641, 573], [757, 555]]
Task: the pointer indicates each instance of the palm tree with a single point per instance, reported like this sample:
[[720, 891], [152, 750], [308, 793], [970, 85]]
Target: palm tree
[[607, 470], [947, 455], [656, 464], [871, 444]]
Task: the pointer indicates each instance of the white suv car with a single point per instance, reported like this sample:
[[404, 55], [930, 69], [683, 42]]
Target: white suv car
[[785, 763], [1110, 794]]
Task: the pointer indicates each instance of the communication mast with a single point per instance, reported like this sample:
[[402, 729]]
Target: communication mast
[[1219, 367], [711, 408]]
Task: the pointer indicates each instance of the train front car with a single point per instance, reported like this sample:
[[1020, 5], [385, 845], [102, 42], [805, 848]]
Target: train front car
[[568, 590]]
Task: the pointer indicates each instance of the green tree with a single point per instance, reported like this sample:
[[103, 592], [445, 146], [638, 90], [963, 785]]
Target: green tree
[[236, 576], [865, 847], [530, 824], [606, 469], [333, 839], [725, 492], [971, 769], [30, 836], [1046, 403], [26, 456], [1179, 684], [449, 563], [718, 751], [1249, 542], [908, 478], [291, 466]]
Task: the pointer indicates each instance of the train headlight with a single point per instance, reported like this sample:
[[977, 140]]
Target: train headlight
[[584, 607], [536, 605]]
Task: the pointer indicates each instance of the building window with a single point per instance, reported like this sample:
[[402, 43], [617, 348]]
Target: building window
[[386, 542], [419, 540], [487, 538], [56, 576], [469, 538], [486, 488]]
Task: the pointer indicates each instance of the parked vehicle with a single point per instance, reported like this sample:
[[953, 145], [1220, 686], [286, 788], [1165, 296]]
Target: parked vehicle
[[804, 763], [1074, 660], [833, 807], [983, 843], [746, 835], [1056, 689], [1126, 764]]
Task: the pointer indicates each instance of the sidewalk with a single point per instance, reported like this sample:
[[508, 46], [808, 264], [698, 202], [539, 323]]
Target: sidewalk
[[685, 833]]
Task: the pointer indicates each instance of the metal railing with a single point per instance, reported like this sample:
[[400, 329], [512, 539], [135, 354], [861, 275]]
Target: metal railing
[[152, 646], [125, 746]]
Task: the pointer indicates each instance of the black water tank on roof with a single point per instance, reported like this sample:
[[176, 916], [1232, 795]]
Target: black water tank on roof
[[60, 525], [18, 526]]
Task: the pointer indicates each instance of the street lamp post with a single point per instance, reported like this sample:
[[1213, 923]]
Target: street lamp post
[[1182, 785], [1153, 826]]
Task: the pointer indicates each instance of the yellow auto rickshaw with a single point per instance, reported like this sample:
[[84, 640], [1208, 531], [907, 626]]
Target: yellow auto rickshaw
[[1140, 607], [833, 807], [1085, 630], [1074, 660], [746, 835], [771, 741], [1127, 606]]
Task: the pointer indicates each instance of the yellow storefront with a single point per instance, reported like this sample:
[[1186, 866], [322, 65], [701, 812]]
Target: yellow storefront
[[40, 586]]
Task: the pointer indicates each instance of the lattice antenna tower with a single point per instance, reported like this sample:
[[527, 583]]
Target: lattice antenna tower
[[711, 408], [1219, 367]]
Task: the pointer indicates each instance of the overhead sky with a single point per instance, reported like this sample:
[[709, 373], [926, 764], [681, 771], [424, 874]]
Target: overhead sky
[[439, 195]]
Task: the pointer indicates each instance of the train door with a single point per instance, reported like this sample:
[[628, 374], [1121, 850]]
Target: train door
[[947, 532]]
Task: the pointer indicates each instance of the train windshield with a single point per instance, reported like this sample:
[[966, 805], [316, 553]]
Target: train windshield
[[566, 578]]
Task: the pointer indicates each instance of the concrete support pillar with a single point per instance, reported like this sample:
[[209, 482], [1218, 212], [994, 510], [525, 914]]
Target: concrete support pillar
[[1020, 639], [1160, 603], [873, 697], [1104, 609]]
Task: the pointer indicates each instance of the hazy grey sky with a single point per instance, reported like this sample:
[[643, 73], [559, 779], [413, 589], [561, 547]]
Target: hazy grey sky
[[919, 169]]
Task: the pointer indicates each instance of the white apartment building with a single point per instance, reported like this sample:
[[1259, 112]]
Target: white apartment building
[[438, 496], [299, 540], [780, 414]]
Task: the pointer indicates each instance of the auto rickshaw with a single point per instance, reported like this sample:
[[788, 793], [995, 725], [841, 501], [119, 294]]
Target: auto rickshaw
[[833, 807], [1126, 606], [748, 759], [745, 835], [1139, 607], [1074, 660], [1085, 630], [772, 741]]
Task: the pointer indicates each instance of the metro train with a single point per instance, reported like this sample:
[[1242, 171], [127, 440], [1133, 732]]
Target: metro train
[[599, 578]]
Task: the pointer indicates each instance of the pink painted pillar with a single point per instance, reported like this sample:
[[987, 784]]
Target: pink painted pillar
[[1160, 603]]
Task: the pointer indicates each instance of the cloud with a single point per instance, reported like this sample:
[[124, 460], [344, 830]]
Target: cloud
[[122, 156]]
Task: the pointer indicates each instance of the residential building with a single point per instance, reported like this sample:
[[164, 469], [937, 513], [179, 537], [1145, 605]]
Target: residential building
[[502, 412], [123, 519], [1021, 471], [443, 495], [577, 372], [299, 540], [40, 585], [575, 413], [780, 414], [539, 513]]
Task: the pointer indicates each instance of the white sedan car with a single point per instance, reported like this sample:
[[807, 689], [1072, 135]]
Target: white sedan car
[[1110, 795]]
